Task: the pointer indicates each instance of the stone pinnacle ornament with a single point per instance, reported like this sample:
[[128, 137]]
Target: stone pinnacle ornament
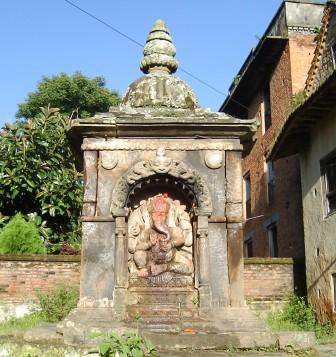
[[159, 51]]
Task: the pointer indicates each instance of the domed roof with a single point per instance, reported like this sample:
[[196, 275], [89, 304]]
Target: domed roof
[[159, 88]]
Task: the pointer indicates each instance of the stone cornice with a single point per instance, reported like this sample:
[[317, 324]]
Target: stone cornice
[[152, 145], [179, 127]]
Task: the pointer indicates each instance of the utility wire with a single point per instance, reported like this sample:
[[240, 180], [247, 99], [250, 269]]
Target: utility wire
[[104, 23], [140, 45]]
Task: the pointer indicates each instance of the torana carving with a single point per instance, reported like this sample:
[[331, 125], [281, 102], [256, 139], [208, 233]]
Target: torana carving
[[160, 240], [161, 164]]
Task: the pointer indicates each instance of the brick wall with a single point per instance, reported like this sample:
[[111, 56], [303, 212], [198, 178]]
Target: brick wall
[[268, 279], [21, 276], [302, 47], [285, 209]]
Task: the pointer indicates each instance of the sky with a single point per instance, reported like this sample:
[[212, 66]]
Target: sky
[[43, 38]]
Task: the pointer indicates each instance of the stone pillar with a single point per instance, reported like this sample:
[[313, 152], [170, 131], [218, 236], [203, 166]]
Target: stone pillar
[[121, 268], [203, 264], [234, 218]]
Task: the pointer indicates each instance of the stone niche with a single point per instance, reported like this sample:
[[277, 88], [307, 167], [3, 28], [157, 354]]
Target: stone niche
[[162, 213]]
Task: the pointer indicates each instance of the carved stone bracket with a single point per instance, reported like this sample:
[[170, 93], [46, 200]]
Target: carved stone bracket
[[161, 164]]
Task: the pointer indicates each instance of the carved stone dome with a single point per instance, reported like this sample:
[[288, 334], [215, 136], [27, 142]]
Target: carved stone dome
[[158, 88]]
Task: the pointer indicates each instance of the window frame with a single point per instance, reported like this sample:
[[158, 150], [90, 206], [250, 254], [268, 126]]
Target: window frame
[[274, 252], [270, 181], [247, 198], [328, 195], [267, 107], [333, 290], [248, 241]]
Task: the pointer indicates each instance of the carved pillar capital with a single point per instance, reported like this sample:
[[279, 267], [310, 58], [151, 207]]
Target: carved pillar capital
[[202, 233]]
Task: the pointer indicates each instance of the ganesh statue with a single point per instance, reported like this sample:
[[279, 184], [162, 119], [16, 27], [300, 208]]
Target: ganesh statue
[[160, 240]]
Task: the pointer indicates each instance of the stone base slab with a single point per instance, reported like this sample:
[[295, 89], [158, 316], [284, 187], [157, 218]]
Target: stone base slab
[[235, 329]]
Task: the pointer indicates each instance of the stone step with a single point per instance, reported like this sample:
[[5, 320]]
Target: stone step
[[185, 296], [160, 311]]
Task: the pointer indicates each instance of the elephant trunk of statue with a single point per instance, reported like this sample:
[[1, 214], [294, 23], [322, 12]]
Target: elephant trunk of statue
[[160, 225]]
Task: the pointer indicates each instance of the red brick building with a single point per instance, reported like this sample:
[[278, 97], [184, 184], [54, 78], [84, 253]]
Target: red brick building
[[272, 75]]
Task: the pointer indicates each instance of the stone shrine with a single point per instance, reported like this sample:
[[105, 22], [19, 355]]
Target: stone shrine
[[162, 214]]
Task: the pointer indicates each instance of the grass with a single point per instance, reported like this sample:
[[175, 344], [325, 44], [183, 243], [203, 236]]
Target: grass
[[298, 315], [23, 323], [54, 306]]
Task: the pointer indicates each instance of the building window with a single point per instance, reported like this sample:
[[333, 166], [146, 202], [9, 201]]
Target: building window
[[272, 234], [328, 172], [248, 247], [267, 107], [333, 53], [247, 185], [333, 287], [270, 178]]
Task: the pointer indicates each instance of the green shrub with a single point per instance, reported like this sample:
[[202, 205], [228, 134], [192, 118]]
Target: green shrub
[[300, 316], [20, 237], [297, 100], [57, 304], [127, 345]]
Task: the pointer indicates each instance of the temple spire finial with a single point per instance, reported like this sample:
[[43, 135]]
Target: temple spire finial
[[159, 51]]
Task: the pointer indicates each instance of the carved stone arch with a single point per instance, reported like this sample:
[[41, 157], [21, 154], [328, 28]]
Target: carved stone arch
[[161, 165]]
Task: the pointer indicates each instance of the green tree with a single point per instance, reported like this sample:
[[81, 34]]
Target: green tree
[[38, 174], [75, 95]]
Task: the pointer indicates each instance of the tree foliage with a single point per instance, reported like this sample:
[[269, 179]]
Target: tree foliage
[[38, 174], [76, 95]]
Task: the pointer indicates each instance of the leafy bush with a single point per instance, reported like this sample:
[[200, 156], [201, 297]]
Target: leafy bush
[[38, 174], [299, 315], [3, 221], [20, 237], [126, 345], [57, 304]]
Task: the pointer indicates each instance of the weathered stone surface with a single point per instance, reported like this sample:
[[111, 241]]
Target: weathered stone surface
[[214, 159], [161, 165], [233, 177], [234, 211], [43, 332], [90, 183], [235, 263], [297, 339], [216, 182], [159, 51], [162, 90], [97, 271], [170, 145], [11, 310], [218, 272]]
